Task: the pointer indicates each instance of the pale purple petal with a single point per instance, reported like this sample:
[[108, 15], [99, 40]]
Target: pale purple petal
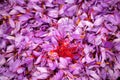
[[69, 1], [63, 63], [53, 13], [12, 23], [20, 9], [2, 60], [58, 75], [10, 48], [98, 21]]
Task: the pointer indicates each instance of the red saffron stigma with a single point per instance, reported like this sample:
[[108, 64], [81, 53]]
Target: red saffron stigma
[[64, 49]]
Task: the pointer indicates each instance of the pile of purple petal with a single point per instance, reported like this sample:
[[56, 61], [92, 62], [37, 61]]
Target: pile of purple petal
[[59, 39]]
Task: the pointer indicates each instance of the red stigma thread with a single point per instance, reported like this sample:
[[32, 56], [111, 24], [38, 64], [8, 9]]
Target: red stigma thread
[[64, 49]]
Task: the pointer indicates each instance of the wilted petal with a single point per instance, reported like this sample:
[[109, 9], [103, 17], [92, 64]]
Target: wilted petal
[[83, 23], [42, 69], [88, 59], [20, 70], [36, 7], [13, 12], [54, 41], [4, 78], [34, 0], [98, 21], [18, 39], [36, 53], [108, 44], [25, 78], [28, 60], [15, 65], [20, 9], [63, 63], [2, 60], [117, 65], [51, 65], [69, 1], [117, 46], [83, 16], [71, 11], [47, 47], [63, 21], [21, 2], [116, 74], [38, 59], [12, 23], [76, 71], [97, 8], [98, 40], [91, 38], [76, 36], [53, 13], [17, 28], [58, 75], [24, 17], [43, 76], [10, 48], [87, 49], [40, 75], [94, 75], [113, 19], [117, 18], [111, 27], [103, 55], [10, 37]]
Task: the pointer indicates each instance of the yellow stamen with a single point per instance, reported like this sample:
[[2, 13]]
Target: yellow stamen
[[19, 15], [98, 63], [82, 36], [77, 22], [107, 63]]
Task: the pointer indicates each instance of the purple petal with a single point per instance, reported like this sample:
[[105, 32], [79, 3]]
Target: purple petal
[[11, 22], [69, 1], [117, 46], [53, 13], [98, 21], [63, 63], [108, 44], [58, 75], [2, 60], [20, 9]]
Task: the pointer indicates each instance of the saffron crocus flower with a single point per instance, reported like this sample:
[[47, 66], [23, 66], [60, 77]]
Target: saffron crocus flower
[[59, 40]]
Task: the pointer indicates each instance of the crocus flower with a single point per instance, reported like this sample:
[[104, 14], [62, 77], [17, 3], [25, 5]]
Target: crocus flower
[[59, 40]]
